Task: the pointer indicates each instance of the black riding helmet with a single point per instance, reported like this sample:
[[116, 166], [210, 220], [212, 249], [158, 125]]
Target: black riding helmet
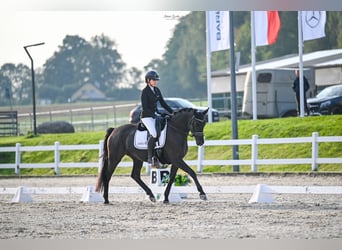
[[151, 75]]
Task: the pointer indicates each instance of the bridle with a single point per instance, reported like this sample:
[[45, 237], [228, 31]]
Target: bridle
[[194, 121], [191, 127]]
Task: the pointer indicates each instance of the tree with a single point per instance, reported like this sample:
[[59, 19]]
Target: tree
[[60, 70], [105, 66], [5, 90], [19, 77], [182, 67], [79, 62], [135, 78]]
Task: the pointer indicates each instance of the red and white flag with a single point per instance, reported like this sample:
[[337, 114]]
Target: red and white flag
[[267, 26], [313, 24]]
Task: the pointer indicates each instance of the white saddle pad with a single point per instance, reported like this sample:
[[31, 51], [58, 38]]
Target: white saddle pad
[[140, 139]]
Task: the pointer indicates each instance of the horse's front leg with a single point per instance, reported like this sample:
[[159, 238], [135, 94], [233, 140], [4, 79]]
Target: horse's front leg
[[182, 165], [172, 177], [136, 175]]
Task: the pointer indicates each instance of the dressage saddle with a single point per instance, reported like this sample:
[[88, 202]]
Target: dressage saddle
[[160, 125]]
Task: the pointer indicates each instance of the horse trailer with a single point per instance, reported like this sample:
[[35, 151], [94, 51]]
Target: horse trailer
[[274, 94]]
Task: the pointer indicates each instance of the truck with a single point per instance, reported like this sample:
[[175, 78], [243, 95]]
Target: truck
[[274, 93]]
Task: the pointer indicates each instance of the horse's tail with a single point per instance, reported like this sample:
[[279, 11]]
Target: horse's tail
[[102, 174]]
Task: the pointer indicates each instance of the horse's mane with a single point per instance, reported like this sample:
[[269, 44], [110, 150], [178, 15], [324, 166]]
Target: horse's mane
[[184, 110], [193, 111]]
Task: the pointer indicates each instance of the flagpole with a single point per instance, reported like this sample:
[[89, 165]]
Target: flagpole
[[254, 95], [300, 52], [236, 168], [210, 115]]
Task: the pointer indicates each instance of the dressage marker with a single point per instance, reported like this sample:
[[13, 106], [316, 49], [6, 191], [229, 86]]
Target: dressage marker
[[261, 193], [157, 178]]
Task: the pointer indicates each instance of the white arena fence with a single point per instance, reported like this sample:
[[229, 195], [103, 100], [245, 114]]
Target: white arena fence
[[254, 161]]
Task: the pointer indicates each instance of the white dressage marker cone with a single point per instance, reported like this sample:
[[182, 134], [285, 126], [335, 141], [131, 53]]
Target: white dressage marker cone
[[262, 194], [90, 196], [21, 196]]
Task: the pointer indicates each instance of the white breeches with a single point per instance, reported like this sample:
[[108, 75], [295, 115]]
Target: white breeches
[[150, 124]]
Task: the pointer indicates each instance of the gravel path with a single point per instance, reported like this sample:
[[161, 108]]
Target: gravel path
[[223, 216]]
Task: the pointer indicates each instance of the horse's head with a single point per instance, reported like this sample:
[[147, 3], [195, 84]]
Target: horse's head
[[197, 124]]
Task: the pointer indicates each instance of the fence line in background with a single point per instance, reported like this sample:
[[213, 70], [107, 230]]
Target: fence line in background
[[93, 118], [8, 123], [109, 117], [254, 161]]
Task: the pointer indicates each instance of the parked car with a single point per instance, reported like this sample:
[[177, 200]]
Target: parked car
[[175, 104], [327, 102]]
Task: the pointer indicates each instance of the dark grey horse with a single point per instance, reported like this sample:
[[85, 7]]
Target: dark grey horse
[[119, 142]]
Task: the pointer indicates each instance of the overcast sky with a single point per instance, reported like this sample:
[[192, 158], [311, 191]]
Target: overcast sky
[[140, 35]]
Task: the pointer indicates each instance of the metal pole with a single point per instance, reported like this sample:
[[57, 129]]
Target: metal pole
[[233, 91], [301, 76], [253, 51], [210, 114], [33, 87]]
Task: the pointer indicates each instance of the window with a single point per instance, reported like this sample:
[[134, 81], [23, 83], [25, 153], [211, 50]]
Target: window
[[264, 77]]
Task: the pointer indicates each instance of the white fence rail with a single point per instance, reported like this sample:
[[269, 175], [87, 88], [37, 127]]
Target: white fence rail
[[314, 160]]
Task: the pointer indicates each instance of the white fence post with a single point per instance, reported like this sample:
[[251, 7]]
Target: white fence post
[[254, 167], [200, 158], [57, 157], [314, 165], [17, 158], [101, 143]]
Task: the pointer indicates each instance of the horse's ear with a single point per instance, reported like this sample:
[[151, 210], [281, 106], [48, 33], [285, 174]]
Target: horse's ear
[[205, 111]]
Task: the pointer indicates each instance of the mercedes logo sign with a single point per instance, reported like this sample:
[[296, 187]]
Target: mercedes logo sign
[[313, 18]]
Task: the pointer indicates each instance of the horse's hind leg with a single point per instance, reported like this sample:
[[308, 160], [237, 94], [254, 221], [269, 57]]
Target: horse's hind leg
[[105, 191], [136, 175], [112, 164]]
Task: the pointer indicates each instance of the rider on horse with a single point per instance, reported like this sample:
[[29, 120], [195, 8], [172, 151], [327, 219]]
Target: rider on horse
[[150, 95]]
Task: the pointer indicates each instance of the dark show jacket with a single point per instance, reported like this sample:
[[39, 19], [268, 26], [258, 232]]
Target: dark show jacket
[[149, 101]]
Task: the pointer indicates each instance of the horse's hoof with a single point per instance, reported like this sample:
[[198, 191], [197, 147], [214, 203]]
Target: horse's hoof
[[203, 197], [106, 202], [166, 202], [152, 199]]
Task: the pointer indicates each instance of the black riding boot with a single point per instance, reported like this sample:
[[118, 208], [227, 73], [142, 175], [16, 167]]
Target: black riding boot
[[150, 148], [150, 152]]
